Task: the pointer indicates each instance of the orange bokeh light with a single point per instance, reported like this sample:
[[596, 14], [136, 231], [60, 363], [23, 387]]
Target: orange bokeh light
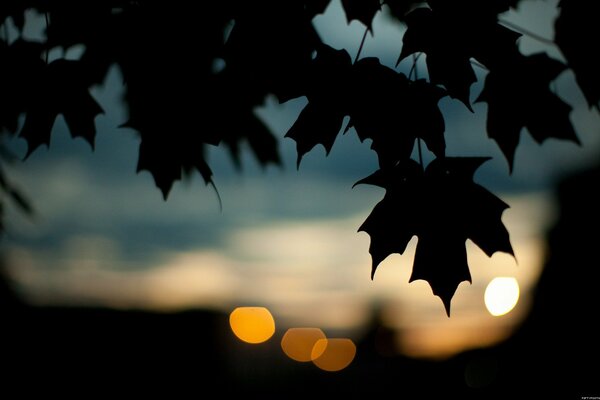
[[333, 354], [252, 324], [298, 343]]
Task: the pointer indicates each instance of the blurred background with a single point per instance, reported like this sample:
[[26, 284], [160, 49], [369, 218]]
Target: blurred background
[[108, 271]]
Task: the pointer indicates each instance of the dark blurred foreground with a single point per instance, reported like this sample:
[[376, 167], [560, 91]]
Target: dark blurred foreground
[[78, 352]]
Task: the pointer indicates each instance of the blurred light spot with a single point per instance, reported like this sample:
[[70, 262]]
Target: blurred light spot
[[481, 371], [333, 354], [252, 324], [501, 295], [298, 343]]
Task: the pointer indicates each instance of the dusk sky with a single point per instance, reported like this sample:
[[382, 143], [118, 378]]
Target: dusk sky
[[285, 239]]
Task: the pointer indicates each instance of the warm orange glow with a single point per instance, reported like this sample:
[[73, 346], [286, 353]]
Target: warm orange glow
[[252, 324], [501, 295], [298, 343], [333, 354]]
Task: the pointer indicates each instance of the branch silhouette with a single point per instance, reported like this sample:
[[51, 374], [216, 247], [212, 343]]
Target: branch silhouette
[[166, 54]]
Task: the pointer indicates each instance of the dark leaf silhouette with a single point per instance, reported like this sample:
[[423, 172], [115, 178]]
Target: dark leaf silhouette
[[392, 111], [576, 25], [383, 105], [495, 46], [315, 125], [444, 208], [175, 100], [519, 97], [399, 8], [163, 160], [362, 10], [423, 116], [451, 36], [247, 128], [447, 57], [393, 221], [378, 97], [321, 120], [62, 90]]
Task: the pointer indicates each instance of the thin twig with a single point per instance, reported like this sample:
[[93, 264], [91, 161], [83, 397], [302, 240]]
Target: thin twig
[[415, 60], [526, 32], [362, 43]]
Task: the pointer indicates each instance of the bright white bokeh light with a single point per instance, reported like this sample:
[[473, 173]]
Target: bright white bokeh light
[[501, 295]]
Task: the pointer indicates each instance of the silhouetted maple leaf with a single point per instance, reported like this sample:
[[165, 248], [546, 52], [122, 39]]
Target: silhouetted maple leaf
[[576, 25], [444, 208], [519, 96], [62, 90], [423, 116], [399, 8], [321, 120], [247, 127], [392, 111], [362, 10], [495, 46], [168, 156], [451, 36], [172, 91], [316, 124], [166, 161], [447, 56], [383, 105]]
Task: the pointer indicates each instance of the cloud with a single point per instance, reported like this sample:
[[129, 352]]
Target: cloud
[[308, 272]]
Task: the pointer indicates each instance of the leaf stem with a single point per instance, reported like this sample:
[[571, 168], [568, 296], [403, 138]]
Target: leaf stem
[[212, 183], [413, 69], [526, 32], [360, 47]]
